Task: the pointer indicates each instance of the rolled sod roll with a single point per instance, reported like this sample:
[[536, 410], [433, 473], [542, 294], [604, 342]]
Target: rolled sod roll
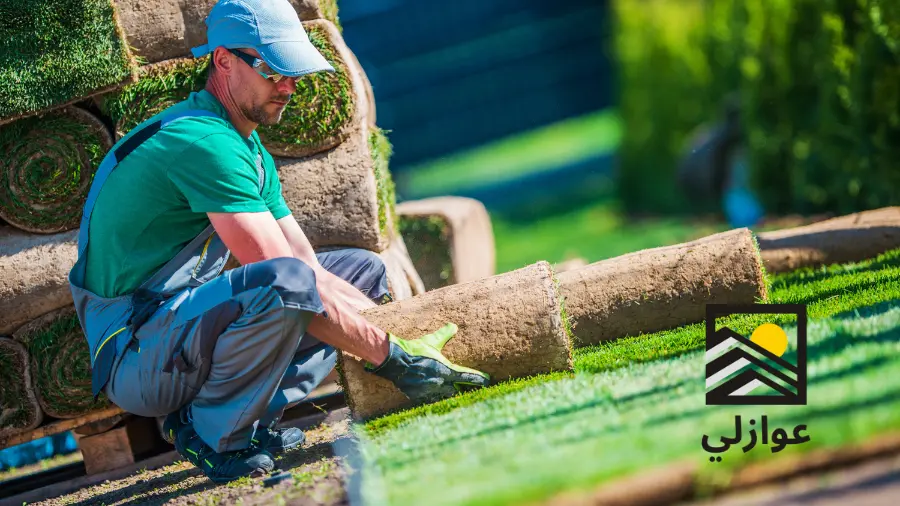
[[57, 52], [662, 288], [848, 238], [19, 409], [34, 273], [450, 239], [327, 107], [158, 86], [403, 280], [47, 166], [160, 30], [60, 364], [510, 326], [344, 196]]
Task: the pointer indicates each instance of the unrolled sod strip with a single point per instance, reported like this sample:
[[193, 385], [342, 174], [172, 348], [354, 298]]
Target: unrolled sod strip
[[344, 196], [160, 30], [450, 239], [510, 326], [47, 166], [60, 364], [662, 288], [34, 273], [848, 238], [19, 409], [327, 107]]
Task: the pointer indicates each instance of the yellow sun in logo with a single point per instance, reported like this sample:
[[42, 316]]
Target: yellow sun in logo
[[771, 337]]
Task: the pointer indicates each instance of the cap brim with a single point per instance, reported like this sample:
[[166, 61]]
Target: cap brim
[[294, 58]]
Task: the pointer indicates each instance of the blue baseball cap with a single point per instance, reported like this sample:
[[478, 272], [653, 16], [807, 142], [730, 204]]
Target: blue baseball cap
[[272, 27]]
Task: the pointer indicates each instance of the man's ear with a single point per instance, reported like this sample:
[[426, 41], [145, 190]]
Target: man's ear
[[222, 60]]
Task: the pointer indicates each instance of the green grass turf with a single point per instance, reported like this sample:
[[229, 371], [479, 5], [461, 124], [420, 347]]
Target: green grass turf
[[625, 410], [556, 145], [56, 51], [43, 179], [427, 240], [60, 365], [381, 150], [158, 87], [14, 406]]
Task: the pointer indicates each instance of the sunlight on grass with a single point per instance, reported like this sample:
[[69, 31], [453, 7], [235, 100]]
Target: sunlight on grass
[[553, 146], [625, 410]]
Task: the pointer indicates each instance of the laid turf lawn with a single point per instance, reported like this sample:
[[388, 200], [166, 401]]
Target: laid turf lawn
[[639, 402]]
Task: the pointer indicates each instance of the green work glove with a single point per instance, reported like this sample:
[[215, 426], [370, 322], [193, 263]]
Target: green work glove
[[421, 372]]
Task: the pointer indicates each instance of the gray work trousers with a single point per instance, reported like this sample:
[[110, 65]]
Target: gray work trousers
[[236, 347]]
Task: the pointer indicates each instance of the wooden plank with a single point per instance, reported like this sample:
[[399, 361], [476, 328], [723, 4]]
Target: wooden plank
[[58, 427], [106, 451]]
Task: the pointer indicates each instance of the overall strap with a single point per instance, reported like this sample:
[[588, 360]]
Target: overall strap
[[114, 157]]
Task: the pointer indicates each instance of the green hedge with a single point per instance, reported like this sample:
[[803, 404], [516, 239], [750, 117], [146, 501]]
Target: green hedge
[[818, 82]]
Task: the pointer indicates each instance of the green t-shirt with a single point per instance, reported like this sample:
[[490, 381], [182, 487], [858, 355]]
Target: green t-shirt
[[156, 200]]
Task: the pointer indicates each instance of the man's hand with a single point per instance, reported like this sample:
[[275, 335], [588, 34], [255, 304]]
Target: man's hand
[[422, 372]]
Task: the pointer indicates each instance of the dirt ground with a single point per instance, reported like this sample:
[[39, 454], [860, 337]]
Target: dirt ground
[[318, 479]]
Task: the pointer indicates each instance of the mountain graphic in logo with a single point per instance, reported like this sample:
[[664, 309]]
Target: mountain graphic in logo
[[742, 370]]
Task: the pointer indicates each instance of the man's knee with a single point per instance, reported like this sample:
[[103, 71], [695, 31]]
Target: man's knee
[[372, 274], [293, 280]]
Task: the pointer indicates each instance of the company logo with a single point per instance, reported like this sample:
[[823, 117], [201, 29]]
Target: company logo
[[754, 370]]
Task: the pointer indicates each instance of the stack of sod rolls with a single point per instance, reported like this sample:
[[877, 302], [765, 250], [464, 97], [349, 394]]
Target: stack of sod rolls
[[450, 239], [165, 29]]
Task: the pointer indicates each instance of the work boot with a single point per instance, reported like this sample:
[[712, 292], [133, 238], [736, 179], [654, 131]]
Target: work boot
[[226, 466], [173, 423], [279, 440], [274, 441]]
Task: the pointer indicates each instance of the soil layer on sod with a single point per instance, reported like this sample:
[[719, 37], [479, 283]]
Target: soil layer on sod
[[662, 288], [60, 364], [344, 196], [55, 52], [326, 107], [34, 271], [47, 168], [847, 238], [510, 326], [19, 409], [639, 403], [403, 280]]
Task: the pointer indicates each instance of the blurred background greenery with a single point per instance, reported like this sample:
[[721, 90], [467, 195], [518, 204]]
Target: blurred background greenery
[[814, 86]]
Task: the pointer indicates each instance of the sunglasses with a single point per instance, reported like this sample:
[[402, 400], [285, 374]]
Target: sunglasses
[[260, 66]]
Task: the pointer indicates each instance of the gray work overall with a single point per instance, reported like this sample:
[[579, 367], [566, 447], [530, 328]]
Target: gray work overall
[[233, 346]]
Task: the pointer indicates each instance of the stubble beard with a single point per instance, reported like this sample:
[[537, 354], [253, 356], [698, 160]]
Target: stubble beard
[[260, 116]]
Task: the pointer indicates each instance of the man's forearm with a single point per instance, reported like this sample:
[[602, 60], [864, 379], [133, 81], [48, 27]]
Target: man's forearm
[[348, 330]]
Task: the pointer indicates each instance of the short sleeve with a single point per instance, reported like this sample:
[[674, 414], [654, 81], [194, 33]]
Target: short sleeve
[[217, 174]]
